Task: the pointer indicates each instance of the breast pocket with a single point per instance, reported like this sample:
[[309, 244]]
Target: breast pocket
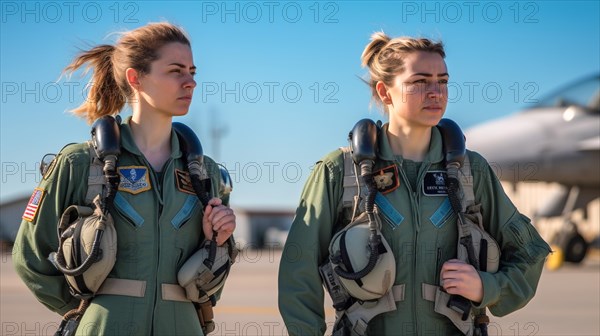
[[391, 216], [188, 209], [444, 214], [127, 212], [186, 230]]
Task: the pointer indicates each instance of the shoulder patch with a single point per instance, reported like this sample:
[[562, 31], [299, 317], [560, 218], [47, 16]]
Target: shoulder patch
[[184, 182], [46, 167], [387, 179], [134, 179], [33, 204], [434, 183]]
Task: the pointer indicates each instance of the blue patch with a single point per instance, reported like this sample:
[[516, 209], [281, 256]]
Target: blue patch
[[185, 212], [394, 218], [125, 208], [134, 179], [442, 214]]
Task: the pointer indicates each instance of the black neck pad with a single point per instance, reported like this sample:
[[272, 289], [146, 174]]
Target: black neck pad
[[363, 138], [189, 142], [453, 141], [106, 137]]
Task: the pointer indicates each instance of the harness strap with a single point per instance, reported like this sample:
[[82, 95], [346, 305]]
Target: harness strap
[[96, 176], [350, 181], [125, 287], [428, 292], [137, 288], [398, 292], [466, 184], [360, 313], [352, 202], [440, 300], [173, 292]]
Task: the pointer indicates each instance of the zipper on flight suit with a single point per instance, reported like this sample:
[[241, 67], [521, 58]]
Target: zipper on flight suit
[[159, 190], [414, 203], [154, 181], [417, 194], [415, 218]]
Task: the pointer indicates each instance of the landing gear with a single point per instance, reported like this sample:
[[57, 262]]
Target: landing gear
[[568, 245], [575, 248]]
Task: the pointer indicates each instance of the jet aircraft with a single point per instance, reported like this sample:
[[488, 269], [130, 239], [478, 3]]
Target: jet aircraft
[[557, 141]]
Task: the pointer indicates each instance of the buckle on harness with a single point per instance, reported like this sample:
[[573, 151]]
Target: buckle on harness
[[339, 295], [460, 305]]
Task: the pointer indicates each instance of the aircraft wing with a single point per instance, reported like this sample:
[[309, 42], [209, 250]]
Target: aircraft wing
[[591, 144]]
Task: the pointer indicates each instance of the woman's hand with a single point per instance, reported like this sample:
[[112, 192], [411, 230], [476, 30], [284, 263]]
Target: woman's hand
[[462, 279], [219, 218]]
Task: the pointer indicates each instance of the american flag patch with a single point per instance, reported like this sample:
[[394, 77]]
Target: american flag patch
[[33, 205]]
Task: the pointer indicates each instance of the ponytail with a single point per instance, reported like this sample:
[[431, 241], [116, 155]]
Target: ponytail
[[378, 42], [109, 89], [104, 96]]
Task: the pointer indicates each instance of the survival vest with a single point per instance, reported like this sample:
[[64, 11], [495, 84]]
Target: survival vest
[[474, 246], [86, 265]]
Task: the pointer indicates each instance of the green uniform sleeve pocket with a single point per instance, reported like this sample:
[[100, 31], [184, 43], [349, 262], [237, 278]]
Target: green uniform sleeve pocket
[[527, 239]]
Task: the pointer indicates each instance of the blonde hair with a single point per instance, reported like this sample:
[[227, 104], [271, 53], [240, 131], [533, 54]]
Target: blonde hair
[[384, 57], [137, 49]]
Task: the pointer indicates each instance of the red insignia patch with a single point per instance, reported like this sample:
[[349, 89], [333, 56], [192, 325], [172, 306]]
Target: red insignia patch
[[387, 179]]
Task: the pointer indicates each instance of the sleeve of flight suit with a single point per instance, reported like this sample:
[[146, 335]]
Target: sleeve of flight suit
[[523, 251], [65, 182], [300, 289]]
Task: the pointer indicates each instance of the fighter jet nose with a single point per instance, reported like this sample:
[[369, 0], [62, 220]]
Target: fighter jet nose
[[482, 139], [508, 145]]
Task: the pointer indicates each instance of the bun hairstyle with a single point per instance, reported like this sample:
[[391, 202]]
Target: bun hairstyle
[[137, 49], [384, 57]]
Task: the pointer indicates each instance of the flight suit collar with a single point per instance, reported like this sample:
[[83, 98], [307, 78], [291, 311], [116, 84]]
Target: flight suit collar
[[435, 153], [129, 144]]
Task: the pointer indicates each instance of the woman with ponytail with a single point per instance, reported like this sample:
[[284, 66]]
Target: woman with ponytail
[[430, 291], [159, 221]]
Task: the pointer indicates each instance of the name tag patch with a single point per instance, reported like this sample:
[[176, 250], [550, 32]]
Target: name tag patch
[[134, 179], [184, 182], [434, 183], [387, 179]]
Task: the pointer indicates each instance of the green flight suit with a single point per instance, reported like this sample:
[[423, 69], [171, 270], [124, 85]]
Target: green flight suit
[[422, 233], [158, 227]]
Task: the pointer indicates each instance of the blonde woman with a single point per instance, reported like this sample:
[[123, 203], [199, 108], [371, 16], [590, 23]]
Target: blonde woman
[[408, 78]]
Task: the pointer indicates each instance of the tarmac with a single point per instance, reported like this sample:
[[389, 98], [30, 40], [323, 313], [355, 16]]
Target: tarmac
[[567, 302]]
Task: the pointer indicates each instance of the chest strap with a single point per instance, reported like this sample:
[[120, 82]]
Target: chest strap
[[354, 192], [359, 314], [466, 184], [440, 299], [137, 288], [96, 176]]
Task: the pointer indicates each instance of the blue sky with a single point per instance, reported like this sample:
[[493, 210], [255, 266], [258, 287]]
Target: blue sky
[[281, 78]]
